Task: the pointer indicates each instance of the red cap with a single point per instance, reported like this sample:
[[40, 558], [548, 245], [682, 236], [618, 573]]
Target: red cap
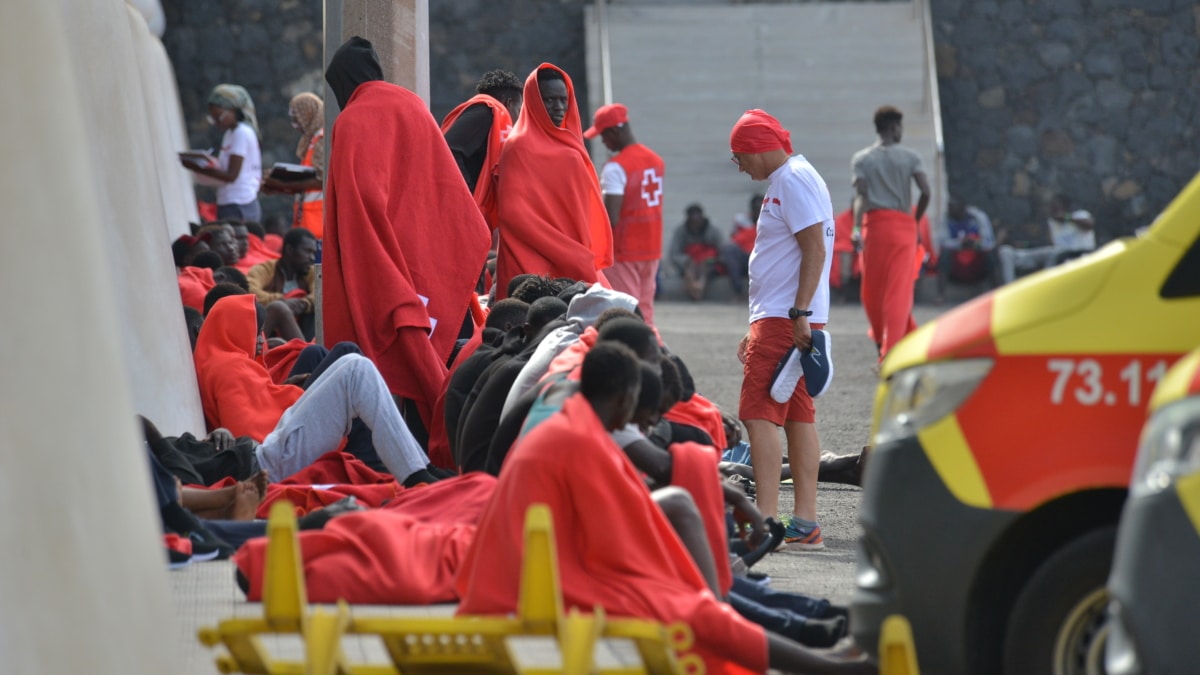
[[607, 117]]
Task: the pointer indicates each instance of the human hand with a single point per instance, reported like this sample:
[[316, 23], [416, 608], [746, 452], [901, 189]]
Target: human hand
[[751, 522], [801, 333], [297, 380], [297, 305], [743, 346], [222, 439]]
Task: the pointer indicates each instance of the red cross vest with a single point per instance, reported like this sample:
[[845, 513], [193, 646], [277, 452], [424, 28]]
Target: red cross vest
[[638, 233]]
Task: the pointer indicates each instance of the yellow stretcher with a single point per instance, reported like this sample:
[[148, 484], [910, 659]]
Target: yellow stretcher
[[440, 645]]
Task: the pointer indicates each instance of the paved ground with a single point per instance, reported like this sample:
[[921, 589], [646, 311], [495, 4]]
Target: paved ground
[[705, 335]]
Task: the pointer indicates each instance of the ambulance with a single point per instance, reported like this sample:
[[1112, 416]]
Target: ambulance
[[1004, 438], [1155, 597]]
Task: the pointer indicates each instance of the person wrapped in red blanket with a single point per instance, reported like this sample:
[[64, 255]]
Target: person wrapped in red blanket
[[616, 548], [295, 426], [406, 553], [552, 217], [404, 241]]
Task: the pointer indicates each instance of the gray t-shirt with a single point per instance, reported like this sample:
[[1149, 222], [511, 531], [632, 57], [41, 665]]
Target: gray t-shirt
[[888, 171]]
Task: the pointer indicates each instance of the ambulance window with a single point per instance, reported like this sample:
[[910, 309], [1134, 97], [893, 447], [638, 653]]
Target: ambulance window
[[1184, 281]]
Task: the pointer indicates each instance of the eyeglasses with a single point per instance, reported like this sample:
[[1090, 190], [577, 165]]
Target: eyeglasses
[[735, 160]]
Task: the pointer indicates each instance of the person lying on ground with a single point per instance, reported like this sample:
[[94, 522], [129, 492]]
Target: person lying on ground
[[295, 426]]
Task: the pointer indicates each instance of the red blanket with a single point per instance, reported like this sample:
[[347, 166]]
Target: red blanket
[[545, 174], [571, 358], [280, 360], [236, 390], [485, 194], [700, 412], [404, 242], [194, 284], [439, 439], [694, 468], [408, 553], [257, 252], [615, 546]]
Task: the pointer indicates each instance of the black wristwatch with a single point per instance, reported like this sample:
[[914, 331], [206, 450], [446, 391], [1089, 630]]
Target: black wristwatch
[[795, 313]]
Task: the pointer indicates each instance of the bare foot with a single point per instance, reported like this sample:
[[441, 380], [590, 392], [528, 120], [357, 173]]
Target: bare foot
[[236, 502], [260, 482], [245, 504]]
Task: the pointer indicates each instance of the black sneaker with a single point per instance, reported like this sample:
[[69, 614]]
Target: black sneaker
[[177, 560]]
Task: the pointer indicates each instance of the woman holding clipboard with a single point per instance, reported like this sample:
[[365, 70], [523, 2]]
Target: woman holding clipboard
[[237, 168], [307, 114]]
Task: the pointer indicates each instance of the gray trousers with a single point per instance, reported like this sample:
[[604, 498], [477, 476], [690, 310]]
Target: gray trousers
[[318, 421], [1013, 259]]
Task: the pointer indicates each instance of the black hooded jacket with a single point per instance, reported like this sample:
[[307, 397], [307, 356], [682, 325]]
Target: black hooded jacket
[[354, 63]]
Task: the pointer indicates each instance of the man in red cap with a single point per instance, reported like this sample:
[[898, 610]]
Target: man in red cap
[[632, 185], [789, 298], [883, 178]]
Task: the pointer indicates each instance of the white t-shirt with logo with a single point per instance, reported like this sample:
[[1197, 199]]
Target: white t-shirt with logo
[[240, 140], [796, 199]]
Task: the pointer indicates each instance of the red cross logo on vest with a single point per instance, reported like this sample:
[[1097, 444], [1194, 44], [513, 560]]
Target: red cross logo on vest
[[652, 195]]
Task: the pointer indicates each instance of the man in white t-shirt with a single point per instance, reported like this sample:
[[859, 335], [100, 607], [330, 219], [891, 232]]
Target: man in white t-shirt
[[789, 297]]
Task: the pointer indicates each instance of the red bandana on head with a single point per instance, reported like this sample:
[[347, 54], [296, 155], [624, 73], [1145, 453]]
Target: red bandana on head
[[756, 131]]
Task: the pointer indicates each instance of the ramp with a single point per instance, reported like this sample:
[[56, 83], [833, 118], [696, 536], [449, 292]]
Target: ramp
[[687, 72]]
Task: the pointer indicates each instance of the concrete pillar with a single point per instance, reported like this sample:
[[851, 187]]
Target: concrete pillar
[[134, 244], [84, 586], [400, 32], [166, 130]]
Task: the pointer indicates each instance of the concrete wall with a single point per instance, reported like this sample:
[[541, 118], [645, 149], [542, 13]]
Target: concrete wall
[[84, 586]]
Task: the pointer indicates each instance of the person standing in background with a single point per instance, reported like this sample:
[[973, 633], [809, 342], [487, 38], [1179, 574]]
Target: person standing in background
[[476, 131], [239, 162], [306, 112], [883, 178], [632, 185]]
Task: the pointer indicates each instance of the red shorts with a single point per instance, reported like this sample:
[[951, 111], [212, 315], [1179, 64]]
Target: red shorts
[[769, 340]]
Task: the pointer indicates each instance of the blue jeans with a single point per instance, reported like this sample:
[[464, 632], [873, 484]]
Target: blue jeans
[[776, 611]]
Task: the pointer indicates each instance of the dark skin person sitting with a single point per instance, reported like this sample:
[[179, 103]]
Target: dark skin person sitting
[[221, 239], [610, 384]]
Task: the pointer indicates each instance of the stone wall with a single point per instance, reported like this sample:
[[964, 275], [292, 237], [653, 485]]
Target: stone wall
[[270, 47], [470, 37], [1093, 99]]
